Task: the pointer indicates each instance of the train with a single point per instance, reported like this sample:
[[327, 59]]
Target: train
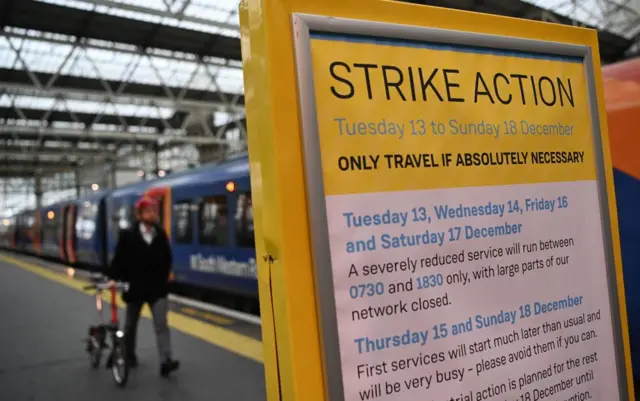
[[207, 213], [622, 100]]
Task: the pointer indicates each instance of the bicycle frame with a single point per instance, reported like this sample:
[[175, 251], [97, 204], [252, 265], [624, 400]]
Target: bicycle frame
[[100, 335], [114, 306]]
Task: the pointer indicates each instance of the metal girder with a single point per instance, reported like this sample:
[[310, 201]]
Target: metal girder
[[166, 14], [29, 162], [15, 173], [193, 108], [29, 170], [80, 88], [88, 119], [41, 16], [50, 151], [35, 140], [79, 134], [83, 51], [97, 96], [47, 37]]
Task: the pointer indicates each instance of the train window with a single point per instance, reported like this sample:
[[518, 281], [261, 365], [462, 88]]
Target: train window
[[124, 215], [122, 220], [55, 226], [86, 222], [49, 228], [183, 222], [213, 217], [244, 221]]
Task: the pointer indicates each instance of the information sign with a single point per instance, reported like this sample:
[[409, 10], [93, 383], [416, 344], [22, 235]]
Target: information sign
[[460, 224]]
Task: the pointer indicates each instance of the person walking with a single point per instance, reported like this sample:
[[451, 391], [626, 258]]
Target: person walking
[[143, 258]]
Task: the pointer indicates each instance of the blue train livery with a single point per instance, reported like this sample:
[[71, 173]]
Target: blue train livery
[[206, 212]]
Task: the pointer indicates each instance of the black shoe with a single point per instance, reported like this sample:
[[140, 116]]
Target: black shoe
[[169, 366], [132, 362]]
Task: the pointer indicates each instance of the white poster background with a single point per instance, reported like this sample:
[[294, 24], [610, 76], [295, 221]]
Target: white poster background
[[584, 275]]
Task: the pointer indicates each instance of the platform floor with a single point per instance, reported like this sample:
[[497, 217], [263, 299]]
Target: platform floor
[[44, 318]]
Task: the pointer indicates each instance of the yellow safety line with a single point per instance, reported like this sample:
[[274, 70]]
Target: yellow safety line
[[237, 343], [208, 316]]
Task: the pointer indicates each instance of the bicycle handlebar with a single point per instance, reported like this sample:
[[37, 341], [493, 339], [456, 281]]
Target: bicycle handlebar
[[106, 286]]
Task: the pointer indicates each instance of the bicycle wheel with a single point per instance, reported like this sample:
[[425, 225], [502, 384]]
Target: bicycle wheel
[[95, 352], [120, 365]]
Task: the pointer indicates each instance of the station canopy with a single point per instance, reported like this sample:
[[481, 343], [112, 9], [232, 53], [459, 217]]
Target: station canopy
[[138, 83]]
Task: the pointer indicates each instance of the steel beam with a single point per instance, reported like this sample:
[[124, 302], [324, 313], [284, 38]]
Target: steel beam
[[164, 14], [89, 119], [84, 95], [50, 151], [30, 163], [22, 170], [46, 37], [85, 135], [13, 173], [73, 21]]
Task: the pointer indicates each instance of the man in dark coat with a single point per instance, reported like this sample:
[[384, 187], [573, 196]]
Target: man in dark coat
[[143, 258]]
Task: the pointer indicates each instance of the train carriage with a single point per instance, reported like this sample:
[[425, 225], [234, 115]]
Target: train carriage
[[90, 231], [622, 97], [207, 213], [50, 231], [7, 233], [27, 231]]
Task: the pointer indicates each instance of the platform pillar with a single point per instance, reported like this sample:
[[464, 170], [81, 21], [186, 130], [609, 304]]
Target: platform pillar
[[156, 158], [113, 169], [77, 175], [38, 189]]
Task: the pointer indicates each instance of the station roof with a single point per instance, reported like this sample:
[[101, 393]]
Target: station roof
[[613, 46], [86, 80], [118, 74], [54, 18], [20, 78]]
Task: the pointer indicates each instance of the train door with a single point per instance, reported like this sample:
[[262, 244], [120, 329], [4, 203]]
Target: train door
[[37, 231], [103, 232], [62, 233], [13, 232], [19, 235], [70, 233], [163, 196]]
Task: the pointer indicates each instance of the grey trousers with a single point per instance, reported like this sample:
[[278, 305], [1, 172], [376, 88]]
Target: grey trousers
[[159, 310]]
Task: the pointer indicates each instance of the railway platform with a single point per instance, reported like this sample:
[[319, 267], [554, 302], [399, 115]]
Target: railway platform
[[45, 315]]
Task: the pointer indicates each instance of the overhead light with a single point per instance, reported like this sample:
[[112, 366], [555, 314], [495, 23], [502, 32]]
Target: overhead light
[[161, 173], [51, 215], [95, 187], [6, 222], [140, 173], [231, 186]]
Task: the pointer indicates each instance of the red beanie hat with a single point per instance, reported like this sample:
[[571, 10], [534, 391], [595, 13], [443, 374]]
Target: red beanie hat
[[146, 201]]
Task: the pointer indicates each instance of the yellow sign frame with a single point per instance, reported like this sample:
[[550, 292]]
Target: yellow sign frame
[[295, 364]]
